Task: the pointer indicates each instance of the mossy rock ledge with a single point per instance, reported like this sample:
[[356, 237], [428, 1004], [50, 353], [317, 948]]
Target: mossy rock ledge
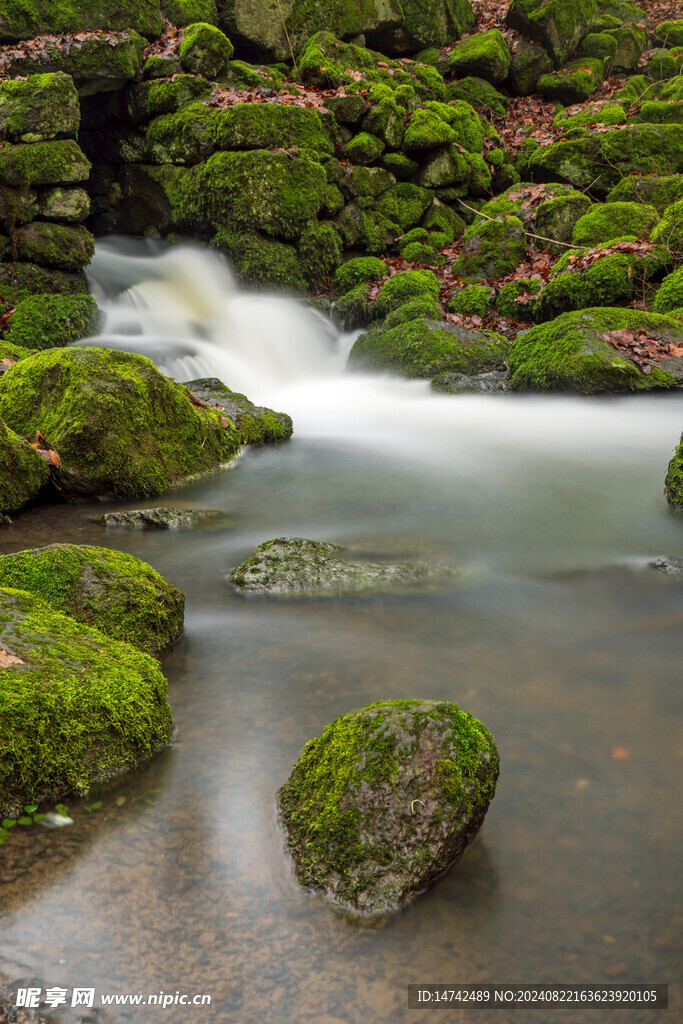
[[386, 800], [120, 427], [76, 707], [256, 424], [111, 590], [295, 566]]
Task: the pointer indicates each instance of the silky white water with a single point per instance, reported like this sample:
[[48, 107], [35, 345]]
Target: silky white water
[[544, 480]]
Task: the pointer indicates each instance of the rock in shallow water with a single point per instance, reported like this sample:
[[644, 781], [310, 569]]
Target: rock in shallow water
[[164, 518], [387, 799], [294, 565], [493, 383]]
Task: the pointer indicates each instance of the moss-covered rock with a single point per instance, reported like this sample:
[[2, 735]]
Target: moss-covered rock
[[120, 427], [473, 299], [386, 120], [261, 191], [663, 64], [43, 163], [38, 108], [205, 50], [364, 149], [166, 96], [673, 484], [76, 706], [528, 63], [556, 217], [359, 270], [571, 353], [492, 248], [256, 424], [427, 130], [670, 294], [186, 137], [271, 126], [605, 221], [660, 112], [366, 228], [23, 19], [48, 321], [493, 383], [259, 261], [424, 348], [587, 114], [188, 12], [557, 25], [425, 307], [669, 231], [608, 281], [464, 120], [306, 568], [525, 289], [404, 204], [327, 62], [359, 181], [669, 33], [386, 799], [22, 471], [320, 251], [163, 518], [573, 83], [431, 23], [62, 246], [484, 55], [352, 309], [116, 593], [444, 168], [18, 280], [97, 63], [601, 45], [631, 40], [408, 284], [64, 204]]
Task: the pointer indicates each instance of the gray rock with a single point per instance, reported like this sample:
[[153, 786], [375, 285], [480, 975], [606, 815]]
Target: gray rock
[[296, 566], [164, 518], [669, 566], [492, 383], [386, 800], [256, 424]]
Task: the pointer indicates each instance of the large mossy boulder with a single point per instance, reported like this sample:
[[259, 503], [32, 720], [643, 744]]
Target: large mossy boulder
[[557, 25], [49, 321], [22, 471], [38, 108], [386, 799], [23, 19], [423, 348], [673, 484], [492, 248], [205, 50], [669, 295], [76, 707], [484, 55], [605, 221], [430, 23], [256, 424], [573, 353], [295, 566], [120, 427], [110, 590], [610, 280], [67, 247], [272, 126], [573, 83], [43, 163]]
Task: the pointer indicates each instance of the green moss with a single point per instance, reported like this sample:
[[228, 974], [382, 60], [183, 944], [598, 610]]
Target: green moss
[[23, 19], [464, 120], [673, 484], [492, 249], [568, 354], [605, 221], [22, 471], [426, 308], [188, 12], [119, 426], [505, 300], [62, 246], [443, 220], [654, 189], [256, 424], [408, 284], [595, 113], [327, 62], [257, 76], [670, 294], [352, 309], [363, 149], [427, 130], [320, 250], [64, 204], [663, 64], [528, 62], [259, 191], [574, 83], [608, 281], [558, 25], [38, 108], [484, 55], [422, 348], [271, 126], [405, 204], [433, 23], [261, 261], [669, 231], [359, 270], [366, 228], [18, 280], [601, 45], [422, 254], [97, 63], [336, 801], [116, 593], [48, 321], [365, 181], [660, 112], [164, 96], [44, 163], [473, 299], [79, 709], [386, 120], [186, 137], [479, 94], [161, 65], [205, 50]]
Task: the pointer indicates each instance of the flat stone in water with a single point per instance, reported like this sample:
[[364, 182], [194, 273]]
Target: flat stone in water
[[164, 518], [495, 382], [297, 566], [669, 566]]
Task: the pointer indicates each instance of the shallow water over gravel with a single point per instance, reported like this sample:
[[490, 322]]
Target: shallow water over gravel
[[561, 642]]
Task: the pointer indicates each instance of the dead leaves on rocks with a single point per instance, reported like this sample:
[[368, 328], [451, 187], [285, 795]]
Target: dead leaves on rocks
[[45, 450], [641, 348], [7, 659]]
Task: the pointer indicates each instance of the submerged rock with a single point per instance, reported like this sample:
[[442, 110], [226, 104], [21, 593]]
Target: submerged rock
[[493, 383], [163, 518], [294, 565], [256, 424], [76, 707], [386, 800], [111, 590]]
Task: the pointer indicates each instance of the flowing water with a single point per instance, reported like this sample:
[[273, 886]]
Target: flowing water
[[563, 642]]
